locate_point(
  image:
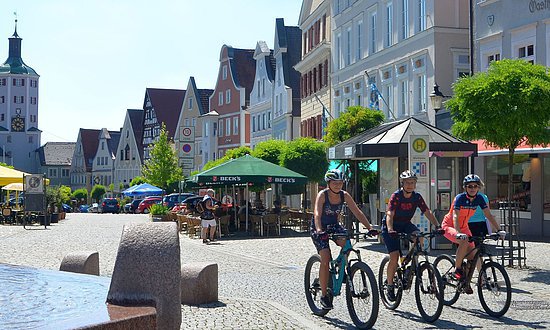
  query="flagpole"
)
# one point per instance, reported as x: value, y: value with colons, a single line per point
x: 381, y: 96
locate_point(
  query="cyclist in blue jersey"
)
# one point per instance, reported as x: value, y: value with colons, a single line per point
x: 328, y: 206
x: 401, y: 208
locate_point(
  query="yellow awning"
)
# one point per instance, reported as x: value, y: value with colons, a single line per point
x: 9, y: 175
x: 15, y: 186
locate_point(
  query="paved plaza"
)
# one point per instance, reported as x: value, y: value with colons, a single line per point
x: 261, y: 279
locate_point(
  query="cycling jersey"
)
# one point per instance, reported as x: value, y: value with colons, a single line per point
x: 466, y: 208
x: 404, y: 208
x: 331, y: 212
x: 479, y: 216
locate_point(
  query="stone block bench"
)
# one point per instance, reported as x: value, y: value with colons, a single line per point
x: 199, y: 283
x: 84, y: 262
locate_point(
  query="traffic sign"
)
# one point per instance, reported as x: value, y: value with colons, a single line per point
x: 187, y: 134
x: 187, y: 163
x: 186, y: 150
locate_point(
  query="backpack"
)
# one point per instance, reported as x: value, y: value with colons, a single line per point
x: 200, y: 207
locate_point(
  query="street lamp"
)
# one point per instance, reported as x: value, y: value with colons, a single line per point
x: 436, y: 97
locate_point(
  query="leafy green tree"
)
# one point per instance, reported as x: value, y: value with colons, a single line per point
x: 80, y: 194
x: 111, y: 187
x: 162, y: 169
x: 230, y: 154
x: 137, y: 180
x: 353, y: 121
x: 307, y: 157
x: 65, y: 194
x: 53, y: 198
x: 270, y: 151
x: 505, y: 106
x: 97, y: 192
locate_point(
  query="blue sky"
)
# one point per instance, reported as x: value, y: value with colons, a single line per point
x: 95, y: 58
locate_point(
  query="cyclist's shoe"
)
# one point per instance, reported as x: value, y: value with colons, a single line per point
x: 390, y: 292
x: 468, y: 289
x: 326, y: 302
x: 458, y: 274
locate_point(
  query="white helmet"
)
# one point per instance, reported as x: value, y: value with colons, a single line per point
x: 407, y: 174
x: 334, y: 175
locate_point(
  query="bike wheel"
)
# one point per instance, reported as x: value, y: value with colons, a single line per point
x: 312, y: 285
x: 445, y: 264
x: 428, y: 292
x: 494, y: 289
x: 362, y: 296
x: 383, y: 284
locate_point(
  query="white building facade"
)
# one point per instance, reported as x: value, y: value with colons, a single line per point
x: 260, y: 108
x: 19, y: 133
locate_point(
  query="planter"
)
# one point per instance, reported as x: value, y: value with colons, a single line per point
x: 44, y: 218
x: 160, y: 218
x: 54, y: 217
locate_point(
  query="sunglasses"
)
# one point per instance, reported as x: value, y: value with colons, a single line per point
x: 472, y: 186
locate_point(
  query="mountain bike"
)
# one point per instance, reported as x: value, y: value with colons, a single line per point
x: 493, y: 283
x: 361, y: 290
x: 428, y: 286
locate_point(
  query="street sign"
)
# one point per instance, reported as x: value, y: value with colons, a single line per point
x: 187, y: 163
x: 186, y: 150
x: 187, y: 134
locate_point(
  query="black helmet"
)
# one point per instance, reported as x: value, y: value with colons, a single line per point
x: 472, y: 178
x: 408, y: 174
x: 334, y: 175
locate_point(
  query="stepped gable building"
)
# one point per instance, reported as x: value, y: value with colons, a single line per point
x: 83, y: 158
x: 315, y: 67
x: 129, y: 152
x: 286, y: 91
x: 19, y: 133
x: 191, y: 129
x: 231, y: 98
x: 161, y: 106
x: 261, y: 108
x: 54, y: 159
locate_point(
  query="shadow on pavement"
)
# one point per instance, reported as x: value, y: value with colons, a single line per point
x: 539, y: 276
x: 504, y: 320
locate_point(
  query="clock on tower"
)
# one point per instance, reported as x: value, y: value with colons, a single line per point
x: 17, y: 124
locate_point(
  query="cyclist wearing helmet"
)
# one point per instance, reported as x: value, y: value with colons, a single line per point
x: 455, y: 223
x: 401, y: 208
x: 328, y: 206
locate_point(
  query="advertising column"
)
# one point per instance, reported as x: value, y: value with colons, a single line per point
x: 419, y: 163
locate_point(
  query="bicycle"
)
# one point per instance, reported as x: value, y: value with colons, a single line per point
x: 428, y: 285
x: 493, y: 283
x: 361, y: 289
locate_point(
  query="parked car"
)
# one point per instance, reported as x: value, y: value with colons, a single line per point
x: 173, y: 199
x: 83, y: 208
x: 66, y: 208
x: 110, y: 205
x: 145, y: 204
x: 21, y: 201
x: 192, y: 201
x: 132, y: 206
x: 94, y: 208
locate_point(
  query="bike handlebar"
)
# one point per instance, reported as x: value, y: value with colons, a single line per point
x: 418, y: 234
x: 370, y: 233
x: 493, y: 236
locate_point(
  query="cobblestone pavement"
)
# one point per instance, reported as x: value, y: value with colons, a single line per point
x: 261, y: 279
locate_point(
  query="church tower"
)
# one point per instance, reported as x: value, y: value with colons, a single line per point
x: 19, y: 133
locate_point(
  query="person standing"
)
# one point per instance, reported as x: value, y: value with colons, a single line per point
x: 208, y: 220
x: 401, y: 208
x: 328, y: 206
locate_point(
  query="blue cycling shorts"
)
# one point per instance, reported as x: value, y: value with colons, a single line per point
x: 392, y: 244
x: 321, y: 242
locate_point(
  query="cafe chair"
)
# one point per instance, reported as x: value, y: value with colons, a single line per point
x: 271, y: 223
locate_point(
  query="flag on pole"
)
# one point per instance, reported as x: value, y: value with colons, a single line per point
x: 374, y: 97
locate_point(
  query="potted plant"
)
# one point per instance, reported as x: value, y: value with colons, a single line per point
x: 159, y: 212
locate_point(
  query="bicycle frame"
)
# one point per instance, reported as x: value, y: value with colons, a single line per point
x: 480, y: 252
x: 343, y: 264
x: 411, y: 257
